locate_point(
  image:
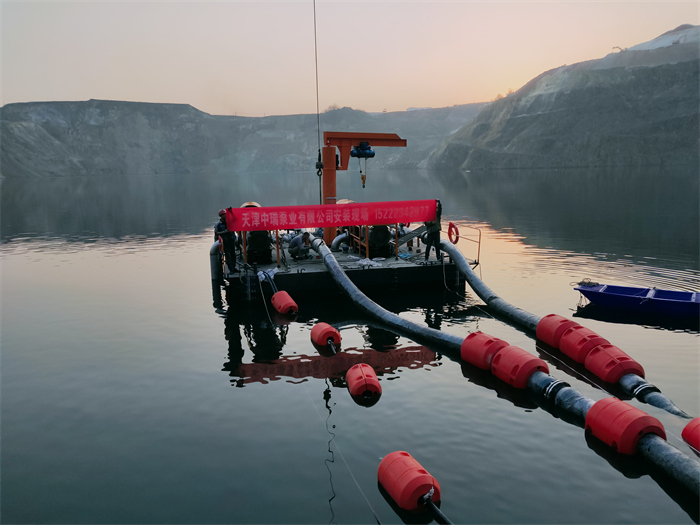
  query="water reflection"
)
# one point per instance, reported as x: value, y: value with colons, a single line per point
x: 266, y: 341
x: 142, y: 320
x: 380, y: 339
x: 484, y: 378
x: 646, y: 212
x: 634, y: 467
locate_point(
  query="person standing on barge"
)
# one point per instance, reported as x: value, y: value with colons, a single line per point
x: 433, y: 235
x: 229, y: 240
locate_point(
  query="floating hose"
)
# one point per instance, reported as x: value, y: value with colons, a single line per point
x: 645, y: 392
x: 434, y: 510
x: 425, y: 335
x: 521, y: 317
x: 217, y: 275
x: 335, y: 245
x: 562, y: 400
x: 555, y: 396
x: 632, y: 383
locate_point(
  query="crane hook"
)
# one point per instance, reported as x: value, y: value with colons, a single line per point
x: 319, y: 165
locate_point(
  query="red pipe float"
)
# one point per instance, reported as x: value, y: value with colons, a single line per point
x: 362, y: 380
x: 577, y: 341
x: 515, y: 366
x: 508, y: 363
x: 322, y: 333
x: 406, y: 481
x: 620, y: 425
x: 630, y: 383
x: 283, y: 303
x: 691, y: 434
x: 609, y: 363
x: 606, y: 361
x: 479, y: 348
x: 551, y: 327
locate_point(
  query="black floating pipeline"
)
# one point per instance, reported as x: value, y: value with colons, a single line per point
x: 621, y: 426
x: 584, y: 346
x: 422, y: 334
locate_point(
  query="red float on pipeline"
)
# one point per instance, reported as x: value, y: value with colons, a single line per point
x: 406, y: 481
x: 515, y: 366
x: 620, y: 425
x: 479, y: 349
x: 551, y: 327
x: 609, y: 363
x: 577, y: 341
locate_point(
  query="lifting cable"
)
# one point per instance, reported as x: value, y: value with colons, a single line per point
x: 319, y: 163
x: 363, y: 176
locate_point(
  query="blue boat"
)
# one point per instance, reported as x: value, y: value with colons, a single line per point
x: 642, y: 300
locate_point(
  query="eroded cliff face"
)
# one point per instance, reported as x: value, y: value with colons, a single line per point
x: 633, y: 108
x: 638, y: 107
x: 100, y: 137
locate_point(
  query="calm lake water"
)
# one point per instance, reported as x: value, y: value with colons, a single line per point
x: 122, y: 395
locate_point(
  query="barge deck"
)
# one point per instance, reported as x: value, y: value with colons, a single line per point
x: 409, y: 272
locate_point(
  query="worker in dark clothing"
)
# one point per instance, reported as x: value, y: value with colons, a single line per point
x: 299, y: 247
x: 220, y: 226
x: 433, y: 235
x: 229, y: 240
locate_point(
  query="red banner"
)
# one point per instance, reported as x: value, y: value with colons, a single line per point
x: 329, y: 215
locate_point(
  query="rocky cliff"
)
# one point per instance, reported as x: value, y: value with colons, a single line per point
x: 100, y: 137
x: 636, y: 107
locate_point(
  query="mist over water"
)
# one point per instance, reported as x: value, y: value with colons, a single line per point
x: 127, y: 399
x: 645, y: 213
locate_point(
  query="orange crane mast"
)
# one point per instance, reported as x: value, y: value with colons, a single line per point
x: 345, y: 142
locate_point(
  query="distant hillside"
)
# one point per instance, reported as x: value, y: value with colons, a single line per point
x: 635, y: 107
x: 99, y: 137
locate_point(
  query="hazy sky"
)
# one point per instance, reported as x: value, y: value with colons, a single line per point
x: 256, y: 58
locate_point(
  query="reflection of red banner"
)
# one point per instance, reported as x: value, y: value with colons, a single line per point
x: 335, y: 366
x: 328, y: 215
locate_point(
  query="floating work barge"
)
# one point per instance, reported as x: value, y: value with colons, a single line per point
x: 408, y: 272
x: 371, y: 241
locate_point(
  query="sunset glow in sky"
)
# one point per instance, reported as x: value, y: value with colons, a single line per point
x: 256, y: 58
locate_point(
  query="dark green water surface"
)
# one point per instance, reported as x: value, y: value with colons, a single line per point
x: 127, y: 399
